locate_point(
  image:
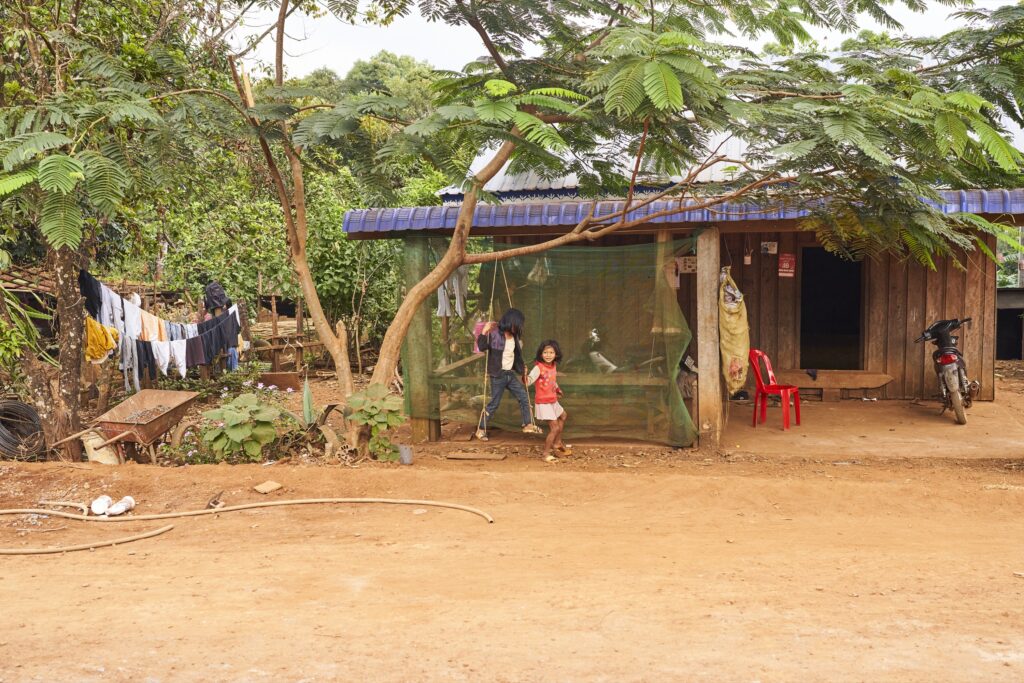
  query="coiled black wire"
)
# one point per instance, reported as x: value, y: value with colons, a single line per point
x: 21, y: 433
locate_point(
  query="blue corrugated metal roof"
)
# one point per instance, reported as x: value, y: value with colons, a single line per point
x: 570, y: 213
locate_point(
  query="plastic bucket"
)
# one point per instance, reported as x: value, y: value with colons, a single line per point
x: 405, y: 455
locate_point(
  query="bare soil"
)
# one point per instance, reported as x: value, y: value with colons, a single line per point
x: 894, y: 561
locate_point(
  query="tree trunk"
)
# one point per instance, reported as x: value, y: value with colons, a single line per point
x: 71, y: 316
x: 391, y: 347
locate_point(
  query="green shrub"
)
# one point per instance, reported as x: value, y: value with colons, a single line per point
x: 381, y: 410
x: 243, y: 427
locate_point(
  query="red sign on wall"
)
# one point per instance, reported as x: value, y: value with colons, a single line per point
x: 787, y: 265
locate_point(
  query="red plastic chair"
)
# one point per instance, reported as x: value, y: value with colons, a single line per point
x: 783, y: 391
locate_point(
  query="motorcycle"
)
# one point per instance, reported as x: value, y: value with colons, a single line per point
x: 958, y: 393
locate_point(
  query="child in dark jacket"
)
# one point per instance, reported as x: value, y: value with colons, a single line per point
x: 503, y: 343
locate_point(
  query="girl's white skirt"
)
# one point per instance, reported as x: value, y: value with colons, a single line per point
x: 548, y: 411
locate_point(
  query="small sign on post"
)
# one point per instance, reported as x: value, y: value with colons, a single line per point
x: 787, y: 265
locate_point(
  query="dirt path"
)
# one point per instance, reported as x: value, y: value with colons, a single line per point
x: 843, y: 551
x: 743, y: 571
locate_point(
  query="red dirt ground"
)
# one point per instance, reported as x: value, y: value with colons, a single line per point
x: 828, y: 557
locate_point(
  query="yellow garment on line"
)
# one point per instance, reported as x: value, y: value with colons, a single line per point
x: 100, y: 340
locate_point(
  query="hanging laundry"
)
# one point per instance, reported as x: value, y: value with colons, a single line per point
x: 191, y: 330
x: 128, y: 351
x: 132, y: 319
x: 89, y: 287
x: 179, y: 355
x: 112, y: 309
x: 456, y: 285
x: 161, y: 355
x: 100, y: 341
x: 146, y: 359
x: 152, y: 328
x: 194, y: 355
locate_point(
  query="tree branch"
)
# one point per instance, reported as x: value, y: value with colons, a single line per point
x: 492, y: 49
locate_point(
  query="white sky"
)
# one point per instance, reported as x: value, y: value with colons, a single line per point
x: 326, y: 41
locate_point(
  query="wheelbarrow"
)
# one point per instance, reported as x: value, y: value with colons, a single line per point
x: 141, y: 419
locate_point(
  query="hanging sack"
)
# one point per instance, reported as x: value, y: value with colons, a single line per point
x: 733, y: 332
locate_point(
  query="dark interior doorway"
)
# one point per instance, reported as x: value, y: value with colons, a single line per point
x: 1009, y: 333
x: 830, y: 313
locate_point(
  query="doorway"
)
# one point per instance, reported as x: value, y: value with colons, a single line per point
x: 830, y: 312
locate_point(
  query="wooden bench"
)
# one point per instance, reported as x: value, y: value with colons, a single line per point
x: 833, y: 382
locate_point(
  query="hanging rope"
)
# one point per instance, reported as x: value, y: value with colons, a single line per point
x: 487, y: 355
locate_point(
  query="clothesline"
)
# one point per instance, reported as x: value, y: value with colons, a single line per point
x: 149, y: 343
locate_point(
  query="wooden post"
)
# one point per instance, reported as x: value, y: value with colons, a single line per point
x: 709, y: 384
x: 275, y: 355
x: 298, y: 334
x: 421, y: 399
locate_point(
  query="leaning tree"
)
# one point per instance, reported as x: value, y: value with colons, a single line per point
x: 616, y: 91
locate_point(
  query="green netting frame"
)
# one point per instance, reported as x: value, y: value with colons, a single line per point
x: 622, y: 291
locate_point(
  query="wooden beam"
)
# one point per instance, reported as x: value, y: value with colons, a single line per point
x: 709, y: 384
x: 421, y: 399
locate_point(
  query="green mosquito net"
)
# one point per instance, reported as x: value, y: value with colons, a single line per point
x: 613, y: 311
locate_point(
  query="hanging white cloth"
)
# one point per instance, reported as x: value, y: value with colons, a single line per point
x: 456, y: 285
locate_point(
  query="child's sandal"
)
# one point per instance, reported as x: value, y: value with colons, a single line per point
x: 532, y: 429
x: 550, y: 458
x: 481, y: 435
x: 564, y: 449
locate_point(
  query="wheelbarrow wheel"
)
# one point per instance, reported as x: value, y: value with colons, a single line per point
x: 178, y: 433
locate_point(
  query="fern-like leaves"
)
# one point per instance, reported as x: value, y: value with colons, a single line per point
x: 61, y: 220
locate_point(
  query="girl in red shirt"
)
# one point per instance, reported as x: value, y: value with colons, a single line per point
x: 545, y: 376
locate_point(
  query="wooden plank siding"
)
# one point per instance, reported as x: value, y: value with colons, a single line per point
x: 899, y: 299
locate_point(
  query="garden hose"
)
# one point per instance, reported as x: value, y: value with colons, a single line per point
x: 21, y: 433
x: 85, y: 546
x: 208, y: 511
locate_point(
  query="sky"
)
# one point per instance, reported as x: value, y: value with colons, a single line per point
x: 327, y: 42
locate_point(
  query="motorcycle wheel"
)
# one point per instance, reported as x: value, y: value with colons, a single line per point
x: 957, y: 403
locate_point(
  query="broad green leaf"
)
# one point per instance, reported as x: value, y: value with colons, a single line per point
x: 264, y: 433
x: 252, y: 448
x: 308, y: 411
x: 239, y: 432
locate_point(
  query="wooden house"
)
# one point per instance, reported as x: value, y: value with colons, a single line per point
x: 853, y: 322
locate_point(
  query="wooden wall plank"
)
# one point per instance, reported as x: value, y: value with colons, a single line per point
x: 788, y: 303
x: 916, y: 304
x: 709, y: 387
x: 768, y: 296
x: 935, y: 304
x: 749, y: 287
x: 988, y: 346
x: 876, y: 332
x: 972, y: 338
x: 896, y: 328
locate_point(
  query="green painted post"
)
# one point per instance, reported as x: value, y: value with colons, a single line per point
x: 421, y: 398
